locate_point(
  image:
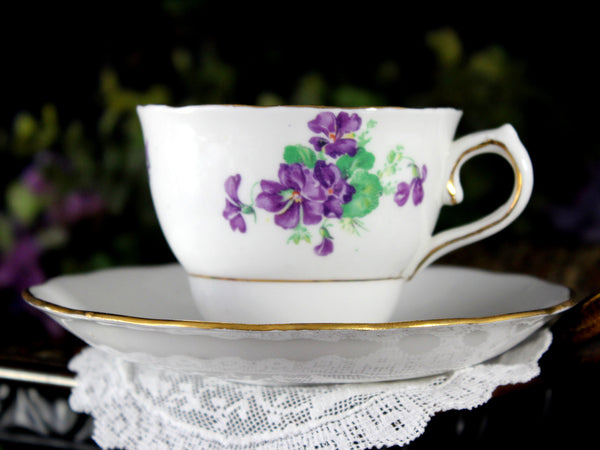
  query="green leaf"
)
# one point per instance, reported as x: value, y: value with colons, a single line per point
x: 352, y: 225
x: 53, y: 237
x: 363, y: 139
x: 348, y: 165
x: 391, y: 157
x: 415, y: 171
x: 300, y: 154
x: 23, y: 203
x: 6, y: 234
x: 300, y: 234
x: 447, y: 46
x: 389, y: 189
x: 366, y: 198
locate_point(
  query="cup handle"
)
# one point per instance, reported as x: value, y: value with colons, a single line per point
x: 502, y: 141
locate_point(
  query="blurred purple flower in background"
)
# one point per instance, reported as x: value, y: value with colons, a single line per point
x: 38, y: 207
x: 74, y: 207
x: 43, y: 204
x: 20, y: 267
x: 33, y: 178
x: 582, y: 218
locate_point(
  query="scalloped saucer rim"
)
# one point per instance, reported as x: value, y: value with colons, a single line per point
x: 146, y: 315
x: 185, y: 314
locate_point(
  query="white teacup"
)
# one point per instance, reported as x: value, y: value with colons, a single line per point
x: 305, y: 214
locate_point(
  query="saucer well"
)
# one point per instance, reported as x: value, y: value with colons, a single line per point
x: 147, y: 315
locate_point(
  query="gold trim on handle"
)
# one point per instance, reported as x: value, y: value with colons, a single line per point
x: 49, y: 307
x: 450, y: 185
x: 452, y: 191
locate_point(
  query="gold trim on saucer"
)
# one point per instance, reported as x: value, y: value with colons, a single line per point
x: 277, y: 280
x: 49, y: 307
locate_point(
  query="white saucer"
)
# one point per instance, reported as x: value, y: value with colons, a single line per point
x: 147, y: 315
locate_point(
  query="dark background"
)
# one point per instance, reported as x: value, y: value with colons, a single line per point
x: 73, y: 187
x: 54, y: 53
x: 71, y: 75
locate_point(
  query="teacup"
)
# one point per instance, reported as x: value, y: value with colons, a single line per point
x: 310, y: 214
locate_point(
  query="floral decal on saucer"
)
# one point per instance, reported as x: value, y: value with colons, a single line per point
x: 327, y: 181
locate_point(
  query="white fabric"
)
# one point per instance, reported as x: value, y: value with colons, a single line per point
x: 141, y: 407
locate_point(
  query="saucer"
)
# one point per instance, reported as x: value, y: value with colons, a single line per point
x: 146, y: 315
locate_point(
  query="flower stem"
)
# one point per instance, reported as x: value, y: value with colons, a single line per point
x: 252, y: 193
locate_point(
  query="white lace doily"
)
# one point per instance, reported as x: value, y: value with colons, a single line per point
x: 136, y: 406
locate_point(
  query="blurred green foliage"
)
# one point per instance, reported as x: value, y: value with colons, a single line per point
x: 79, y: 190
x: 488, y: 84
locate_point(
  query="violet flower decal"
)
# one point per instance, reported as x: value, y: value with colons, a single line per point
x: 234, y: 208
x: 297, y: 196
x: 415, y: 186
x: 338, y: 131
x: 338, y: 191
x: 326, y: 245
x: 329, y: 185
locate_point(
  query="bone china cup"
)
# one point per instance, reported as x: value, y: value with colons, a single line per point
x: 305, y: 214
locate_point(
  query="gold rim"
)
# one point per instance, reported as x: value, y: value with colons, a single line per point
x: 49, y: 307
x: 342, y: 108
x: 283, y: 280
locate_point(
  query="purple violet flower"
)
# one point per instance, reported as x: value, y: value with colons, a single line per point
x: 297, y: 196
x: 403, y: 193
x: 581, y: 219
x: 338, y: 130
x: 76, y: 206
x: 20, y: 268
x: 418, y: 192
x: 339, y: 192
x: 33, y: 178
x: 415, y: 186
x: 326, y: 245
x: 233, y: 205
